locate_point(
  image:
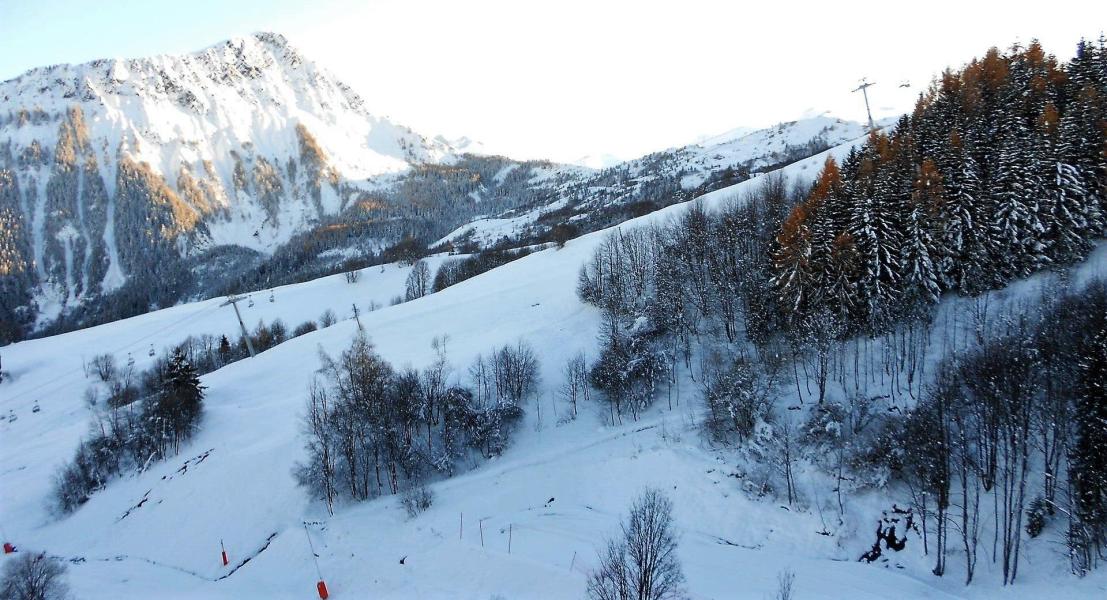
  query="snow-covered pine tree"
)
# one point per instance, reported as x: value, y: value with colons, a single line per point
x: 1016, y: 189
x: 834, y: 255
x: 177, y: 406
x: 965, y: 260
x: 875, y: 197
x: 920, y: 246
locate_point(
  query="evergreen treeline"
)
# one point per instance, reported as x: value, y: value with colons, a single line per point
x: 1000, y: 171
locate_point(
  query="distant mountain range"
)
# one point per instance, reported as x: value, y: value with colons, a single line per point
x: 126, y: 185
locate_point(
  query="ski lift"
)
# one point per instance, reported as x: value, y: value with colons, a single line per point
x: 152, y: 351
x: 11, y: 417
x: 271, y: 295
x: 251, y: 304
x: 36, y: 407
x: 905, y: 84
x: 130, y: 360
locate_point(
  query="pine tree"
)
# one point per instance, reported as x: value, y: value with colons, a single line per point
x: 964, y: 263
x: 802, y: 247
x: 176, y: 407
x: 875, y: 196
x: 792, y: 260
x: 224, y: 350
x: 920, y: 275
x: 1016, y: 189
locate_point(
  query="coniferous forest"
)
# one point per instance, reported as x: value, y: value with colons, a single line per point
x: 871, y: 295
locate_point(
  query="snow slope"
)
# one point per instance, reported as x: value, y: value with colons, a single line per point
x: 556, y: 493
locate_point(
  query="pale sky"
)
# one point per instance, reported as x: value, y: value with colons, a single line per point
x: 570, y: 78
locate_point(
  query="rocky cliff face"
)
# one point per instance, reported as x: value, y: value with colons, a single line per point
x: 112, y: 171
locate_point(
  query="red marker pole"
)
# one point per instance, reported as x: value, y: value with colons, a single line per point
x: 224, y: 551
x: 321, y: 586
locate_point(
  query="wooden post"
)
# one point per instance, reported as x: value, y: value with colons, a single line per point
x: 509, y: 538
x: 480, y: 525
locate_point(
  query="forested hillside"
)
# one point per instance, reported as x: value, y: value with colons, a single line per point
x: 833, y: 295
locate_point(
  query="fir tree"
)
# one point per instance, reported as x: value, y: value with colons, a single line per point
x: 175, y: 409
x: 920, y: 275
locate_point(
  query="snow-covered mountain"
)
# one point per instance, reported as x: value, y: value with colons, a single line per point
x: 596, y: 198
x: 108, y: 164
x: 527, y: 525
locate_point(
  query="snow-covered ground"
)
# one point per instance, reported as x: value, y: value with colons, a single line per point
x: 556, y: 493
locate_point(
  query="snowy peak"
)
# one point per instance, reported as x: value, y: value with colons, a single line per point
x: 244, y: 143
x: 234, y: 88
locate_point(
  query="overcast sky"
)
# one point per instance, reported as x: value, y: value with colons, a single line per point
x: 569, y: 78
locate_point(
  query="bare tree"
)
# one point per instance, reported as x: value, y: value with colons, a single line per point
x: 418, y: 281
x: 515, y: 371
x: 576, y: 386
x: 104, y: 365
x: 642, y: 565
x: 319, y: 442
x: 34, y: 576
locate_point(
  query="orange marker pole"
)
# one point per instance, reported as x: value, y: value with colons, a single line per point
x: 320, y: 586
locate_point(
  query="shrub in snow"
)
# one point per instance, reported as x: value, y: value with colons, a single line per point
x: 1036, y: 517
x: 304, y: 328
x: 737, y: 396
x: 785, y: 582
x: 629, y: 371
x: 416, y: 499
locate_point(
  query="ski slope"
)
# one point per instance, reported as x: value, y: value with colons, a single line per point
x: 556, y: 493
